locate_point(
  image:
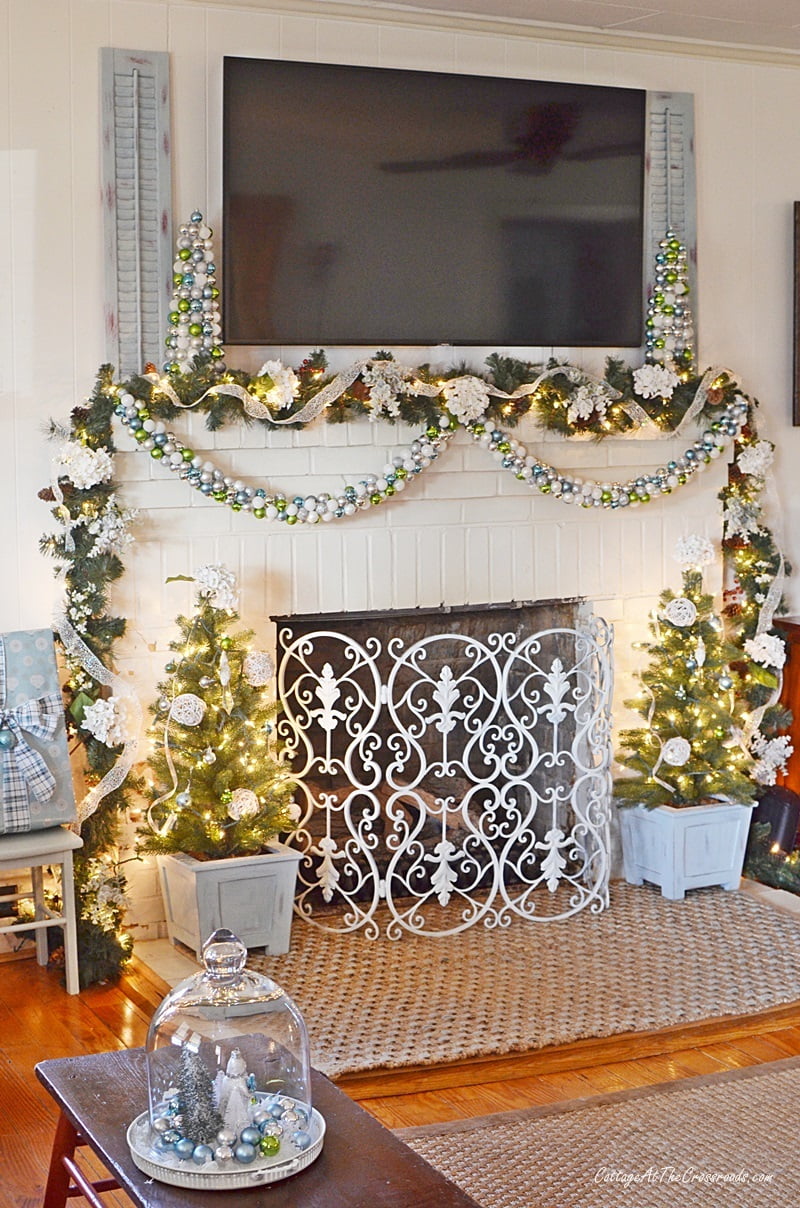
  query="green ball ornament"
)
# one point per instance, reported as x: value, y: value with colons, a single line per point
x: 268, y: 1146
x: 156, y: 454
x: 185, y: 253
x: 174, y: 316
x: 226, y: 796
x: 217, y: 352
x: 225, y: 643
x: 187, y: 454
x: 195, y: 329
x: 375, y: 498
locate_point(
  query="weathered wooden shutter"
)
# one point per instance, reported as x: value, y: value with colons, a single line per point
x: 670, y: 182
x: 137, y: 206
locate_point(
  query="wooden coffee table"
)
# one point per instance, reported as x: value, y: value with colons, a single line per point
x: 362, y: 1164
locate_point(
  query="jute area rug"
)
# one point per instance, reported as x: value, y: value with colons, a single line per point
x: 721, y: 1141
x: 642, y: 965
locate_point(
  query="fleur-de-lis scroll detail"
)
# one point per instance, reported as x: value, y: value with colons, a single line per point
x: 557, y: 687
x: 446, y: 695
x: 553, y: 864
x: 327, y: 692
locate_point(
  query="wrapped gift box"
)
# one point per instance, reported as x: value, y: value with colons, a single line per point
x: 36, y: 789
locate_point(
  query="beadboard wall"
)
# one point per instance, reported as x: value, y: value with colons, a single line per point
x: 465, y: 532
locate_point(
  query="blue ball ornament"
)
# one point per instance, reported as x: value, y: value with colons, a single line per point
x: 244, y: 1153
x: 8, y: 740
x: 202, y: 1154
x: 250, y: 1136
x: 185, y: 1148
x: 301, y: 1138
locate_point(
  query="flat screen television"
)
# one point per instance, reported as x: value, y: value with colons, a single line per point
x: 379, y: 207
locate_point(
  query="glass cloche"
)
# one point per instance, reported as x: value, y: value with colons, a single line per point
x: 228, y: 1080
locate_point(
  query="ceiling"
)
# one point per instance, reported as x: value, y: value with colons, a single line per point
x: 767, y: 24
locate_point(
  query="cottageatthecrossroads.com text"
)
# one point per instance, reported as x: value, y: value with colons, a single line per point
x: 674, y: 1174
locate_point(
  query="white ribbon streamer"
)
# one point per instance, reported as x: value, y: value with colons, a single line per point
x: 76, y: 648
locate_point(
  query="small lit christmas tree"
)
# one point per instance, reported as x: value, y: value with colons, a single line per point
x: 217, y: 791
x: 691, y: 748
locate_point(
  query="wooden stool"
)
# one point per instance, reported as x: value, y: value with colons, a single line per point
x: 35, y: 850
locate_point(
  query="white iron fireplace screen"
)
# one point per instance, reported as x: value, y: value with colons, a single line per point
x: 450, y: 780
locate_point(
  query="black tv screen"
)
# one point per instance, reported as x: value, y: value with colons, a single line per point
x: 380, y: 207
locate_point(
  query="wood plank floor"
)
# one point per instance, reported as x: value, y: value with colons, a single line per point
x: 39, y: 1020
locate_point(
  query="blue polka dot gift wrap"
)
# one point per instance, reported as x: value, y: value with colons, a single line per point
x: 36, y: 789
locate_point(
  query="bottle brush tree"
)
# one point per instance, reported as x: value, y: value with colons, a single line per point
x: 216, y: 788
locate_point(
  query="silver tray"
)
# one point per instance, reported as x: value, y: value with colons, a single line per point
x: 214, y: 1176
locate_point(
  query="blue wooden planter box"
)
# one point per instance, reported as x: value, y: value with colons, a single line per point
x: 687, y: 848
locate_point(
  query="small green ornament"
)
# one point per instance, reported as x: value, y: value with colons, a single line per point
x: 269, y: 1145
x: 184, y: 253
x: 156, y: 454
x: 225, y: 643
x: 375, y: 498
x: 226, y: 796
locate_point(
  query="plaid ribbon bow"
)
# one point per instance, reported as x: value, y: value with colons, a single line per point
x: 24, y: 771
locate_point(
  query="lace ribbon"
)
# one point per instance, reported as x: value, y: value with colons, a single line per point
x: 76, y: 648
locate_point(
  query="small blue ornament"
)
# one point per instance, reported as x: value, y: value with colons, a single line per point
x: 250, y: 1136
x: 185, y: 1148
x: 8, y: 740
x: 202, y: 1154
x: 244, y: 1153
x: 301, y: 1139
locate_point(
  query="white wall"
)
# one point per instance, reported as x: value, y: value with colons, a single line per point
x: 467, y: 533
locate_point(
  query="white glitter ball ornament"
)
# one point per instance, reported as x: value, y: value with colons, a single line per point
x: 257, y: 668
x: 680, y: 612
x: 676, y: 751
x: 243, y: 804
x: 188, y: 709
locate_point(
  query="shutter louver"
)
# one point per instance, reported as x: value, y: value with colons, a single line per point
x: 670, y: 190
x: 137, y: 206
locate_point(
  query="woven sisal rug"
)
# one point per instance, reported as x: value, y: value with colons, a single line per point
x: 722, y: 1141
x: 644, y: 964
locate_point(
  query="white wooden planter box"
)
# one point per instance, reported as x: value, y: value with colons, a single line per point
x: 688, y: 848
x: 251, y: 895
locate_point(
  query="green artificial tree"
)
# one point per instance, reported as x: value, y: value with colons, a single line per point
x: 691, y: 748
x: 216, y: 790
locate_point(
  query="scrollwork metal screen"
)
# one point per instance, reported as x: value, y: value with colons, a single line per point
x: 449, y: 781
